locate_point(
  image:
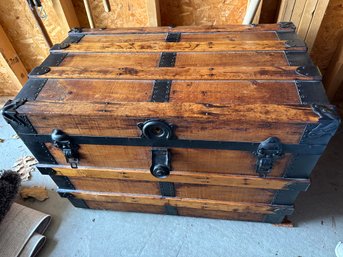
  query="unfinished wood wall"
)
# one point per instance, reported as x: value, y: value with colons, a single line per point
x: 202, y: 12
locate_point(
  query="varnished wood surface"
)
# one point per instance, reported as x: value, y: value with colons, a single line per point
x: 190, y: 29
x: 181, y: 73
x: 127, y: 207
x: 247, y: 113
x: 220, y: 92
x: 181, y: 211
x: 182, y: 190
x: 183, y: 59
x: 210, y: 46
x: 195, y: 177
x: 178, y: 202
x: 186, y: 128
x: 192, y: 160
x: 185, y: 37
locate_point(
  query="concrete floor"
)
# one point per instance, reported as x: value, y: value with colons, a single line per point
x: 80, y: 232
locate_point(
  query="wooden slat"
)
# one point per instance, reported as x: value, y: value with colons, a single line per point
x: 182, y: 177
x: 181, y: 73
x: 333, y: 78
x: 184, y: 59
x: 220, y: 92
x: 66, y: 13
x: 316, y: 23
x: 253, y: 112
x: 307, y: 17
x: 179, y: 202
x: 185, y: 37
x: 12, y: 63
x: 190, y: 29
x: 286, y: 10
x: 298, y: 12
x: 153, y: 8
x: 215, y: 46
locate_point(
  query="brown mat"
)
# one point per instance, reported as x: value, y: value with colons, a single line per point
x: 18, y: 226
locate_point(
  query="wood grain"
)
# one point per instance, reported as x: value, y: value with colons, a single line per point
x: 181, y: 211
x: 179, y: 202
x: 185, y: 37
x: 182, y: 190
x: 211, y: 46
x: 190, y: 160
x: 127, y: 207
x: 188, y: 177
x: 220, y: 92
x: 183, y: 73
x: 190, y: 29
x: 183, y: 59
x: 201, y: 12
x: 191, y: 111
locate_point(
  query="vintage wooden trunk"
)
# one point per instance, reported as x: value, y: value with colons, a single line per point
x: 221, y: 122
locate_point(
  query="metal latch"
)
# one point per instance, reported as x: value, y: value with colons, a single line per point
x: 160, y: 167
x: 62, y: 141
x: 267, y: 153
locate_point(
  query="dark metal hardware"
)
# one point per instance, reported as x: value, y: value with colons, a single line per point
x: 167, y: 59
x: 9, y: 111
x: 160, y: 167
x: 75, y: 30
x: 311, y: 92
x: 303, y: 149
x: 173, y: 37
x: 295, y: 43
x: 61, y: 46
x: 328, y: 121
x: 161, y: 90
x: 286, y: 25
x: 156, y: 129
x: 78, y: 203
x: 309, y: 70
x: 40, y: 70
x: 63, y: 142
x: 267, y: 153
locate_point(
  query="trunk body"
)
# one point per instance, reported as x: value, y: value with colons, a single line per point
x: 218, y: 122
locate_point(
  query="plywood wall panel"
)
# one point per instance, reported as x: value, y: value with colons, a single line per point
x: 124, y: 13
x: 202, y: 12
x: 329, y: 34
x: 6, y: 82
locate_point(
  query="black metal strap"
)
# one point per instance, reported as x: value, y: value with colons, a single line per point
x: 161, y: 88
x: 168, y: 189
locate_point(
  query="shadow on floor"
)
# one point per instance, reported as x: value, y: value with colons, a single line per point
x: 325, y: 196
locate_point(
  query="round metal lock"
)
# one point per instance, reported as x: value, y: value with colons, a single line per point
x: 160, y: 171
x: 156, y: 129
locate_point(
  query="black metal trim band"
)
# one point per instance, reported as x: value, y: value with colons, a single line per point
x: 161, y: 91
x: 311, y: 92
x: 79, y: 203
x: 298, y: 58
x: 161, y: 88
x: 54, y: 59
x: 167, y: 189
x: 301, y: 166
x: 173, y: 37
x: 62, y: 182
x: 302, y: 149
x: 31, y: 89
x: 283, y: 197
x: 279, y: 215
x: 167, y: 59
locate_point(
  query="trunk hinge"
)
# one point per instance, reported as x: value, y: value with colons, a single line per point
x: 267, y: 153
x: 63, y: 142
